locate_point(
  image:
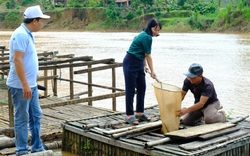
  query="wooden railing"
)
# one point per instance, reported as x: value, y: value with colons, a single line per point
x: 51, y: 62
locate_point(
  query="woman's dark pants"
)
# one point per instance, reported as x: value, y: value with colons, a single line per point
x: 133, y: 69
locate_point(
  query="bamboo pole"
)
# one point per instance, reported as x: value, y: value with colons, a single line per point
x: 156, y: 142
x: 42, y: 153
x: 6, y: 142
x: 136, y: 130
x: 109, y: 132
x: 239, y: 119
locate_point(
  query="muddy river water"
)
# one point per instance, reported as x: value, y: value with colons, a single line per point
x: 224, y: 57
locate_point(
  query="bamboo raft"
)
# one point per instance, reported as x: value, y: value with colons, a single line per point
x: 110, y: 135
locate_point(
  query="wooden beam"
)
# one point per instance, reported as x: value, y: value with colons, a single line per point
x: 58, y: 66
x: 41, y: 78
x: 82, y: 100
x: 45, y: 53
x: 4, y: 58
x: 98, y: 68
x: 95, y: 85
x: 82, y: 58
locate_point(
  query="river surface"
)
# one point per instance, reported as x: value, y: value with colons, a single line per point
x: 224, y: 57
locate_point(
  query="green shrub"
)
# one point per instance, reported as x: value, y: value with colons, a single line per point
x: 130, y: 16
x: 25, y: 2
x: 1, y: 16
x: 246, y: 13
x: 52, y: 6
x: 205, y: 8
x: 8, y: 5
x: 13, y: 19
x: 139, y: 11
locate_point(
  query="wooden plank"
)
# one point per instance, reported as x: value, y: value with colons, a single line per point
x: 219, y: 133
x: 195, y: 145
x: 193, y: 132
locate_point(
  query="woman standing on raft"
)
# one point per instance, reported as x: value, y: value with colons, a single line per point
x: 135, y: 63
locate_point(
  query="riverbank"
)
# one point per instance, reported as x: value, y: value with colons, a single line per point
x: 95, y: 19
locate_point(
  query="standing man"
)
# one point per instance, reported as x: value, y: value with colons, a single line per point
x: 22, y: 79
x: 206, y: 103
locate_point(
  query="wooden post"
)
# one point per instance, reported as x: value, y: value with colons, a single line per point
x: 2, y: 49
x: 11, y: 113
x: 45, y: 83
x: 55, y: 82
x: 90, y: 86
x: 113, y: 90
x: 71, y: 74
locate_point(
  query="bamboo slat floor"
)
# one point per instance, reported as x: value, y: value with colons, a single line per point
x: 110, y: 135
x: 54, y: 116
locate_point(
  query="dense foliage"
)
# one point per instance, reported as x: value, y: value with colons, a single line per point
x: 197, y: 14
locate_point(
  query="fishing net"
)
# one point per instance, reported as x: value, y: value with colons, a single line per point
x: 169, y: 99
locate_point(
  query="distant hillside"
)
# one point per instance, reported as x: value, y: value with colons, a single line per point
x: 95, y: 19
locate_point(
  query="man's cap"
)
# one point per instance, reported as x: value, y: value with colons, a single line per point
x: 194, y: 70
x: 34, y: 12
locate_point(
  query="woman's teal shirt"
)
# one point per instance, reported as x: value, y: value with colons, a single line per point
x: 141, y: 45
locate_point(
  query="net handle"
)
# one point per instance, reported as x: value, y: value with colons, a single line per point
x: 153, y: 78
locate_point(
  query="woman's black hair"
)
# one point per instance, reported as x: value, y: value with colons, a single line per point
x: 152, y: 23
x: 29, y: 20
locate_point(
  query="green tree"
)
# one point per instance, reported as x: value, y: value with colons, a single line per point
x: 92, y: 3
x: 45, y: 3
x: 24, y: 2
x: 181, y: 2
x: 7, y: 5
x: 11, y: 4
x: 148, y: 2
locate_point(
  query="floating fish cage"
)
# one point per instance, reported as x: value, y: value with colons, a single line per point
x: 109, y: 135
